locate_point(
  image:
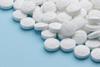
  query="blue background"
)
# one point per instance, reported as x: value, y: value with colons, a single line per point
x: 20, y: 48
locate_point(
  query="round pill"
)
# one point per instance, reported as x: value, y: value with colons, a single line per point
x: 80, y: 37
x: 81, y: 51
x: 27, y: 23
x: 41, y: 26
x: 73, y: 9
x: 67, y: 45
x: 17, y: 4
x: 48, y: 6
x: 55, y: 27
x: 95, y: 54
x: 18, y: 15
x: 92, y: 44
x: 51, y: 44
x: 28, y: 7
x: 49, y: 17
x: 61, y: 4
x: 86, y: 4
x: 47, y: 34
x: 94, y: 34
x: 6, y: 4
x: 37, y: 14
x: 63, y: 17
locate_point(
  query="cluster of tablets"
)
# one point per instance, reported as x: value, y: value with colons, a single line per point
x: 71, y: 25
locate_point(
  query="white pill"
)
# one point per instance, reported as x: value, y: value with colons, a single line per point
x: 28, y: 7
x: 85, y: 4
x: 91, y: 28
x: 80, y: 37
x: 49, y: 17
x: 37, y: 14
x: 67, y: 44
x: 55, y: 27
x: 94, y: 34
x: 51, y: 44
x: 67, y: 29
x: 83, y: 13
x: 95, y: 54
x: 17, y: 4
x: 63, y: 17
x: 41, y: 26
x: 48, y: 6
x: 27, y: 23
x: 6, y: 4
x: 96, y: 3
x: 47, y: 34
x: 18, y: 15
x: 92, y: 44
x: 73, y: 9
x: 81, y: 51
x: 93, y: 17
x: 62, y: 4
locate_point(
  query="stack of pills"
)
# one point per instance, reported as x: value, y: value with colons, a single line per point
x: 69, y: 25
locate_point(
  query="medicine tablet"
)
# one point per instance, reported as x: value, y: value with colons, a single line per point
x: 73, y: 9
x: 28, y: 7
x: 63, y: 17
x: 51, y: 44
x: 81, y: 51
x: 96, y: 3
x: 6, y: 4
x: 48, y: 6
x: 92, y: 44
x: 27, y: 23
x: 80, y: 37
x: 18, y: 15
x: 37, y: 14
x: 94, y: 34
x: 49, y: 17
x: 95, y: 54
x: 17, y: 4
x: 47, y: 34
x: 67, y: 45
x: 41, y: 26
x: 55, y: 27
x: 62, y: 4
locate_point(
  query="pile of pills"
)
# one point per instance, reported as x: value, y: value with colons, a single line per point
x: 67, y: 25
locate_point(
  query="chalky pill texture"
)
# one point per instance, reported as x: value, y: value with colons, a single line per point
x: 67, y: 25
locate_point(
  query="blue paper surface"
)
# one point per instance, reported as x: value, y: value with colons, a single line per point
x: 21, y: 48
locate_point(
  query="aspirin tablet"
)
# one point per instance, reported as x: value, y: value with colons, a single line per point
x: 47, y: 34
x: 96, y: 3
x: 55, y: 27
x: 27, y: 23
x: 6, y: 4
x: 80, y: 37
x: 85, y: 4
x: 92, y: 44
x: 94, y: 34
x: 63, y: 17
x: 48, y: 6
x: 51, y: 44
x: 41, y: 26
x: 67, y: 44
x: 17, y: 4
x: 95, y: 54
x: 37, y: 14
x: 73, y: 9
x: 49, y: 17
x: 28, y: 7
x: 67, y: 29
x: 18, y: 15
x: 61, y: 4
x: 81, y: 51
